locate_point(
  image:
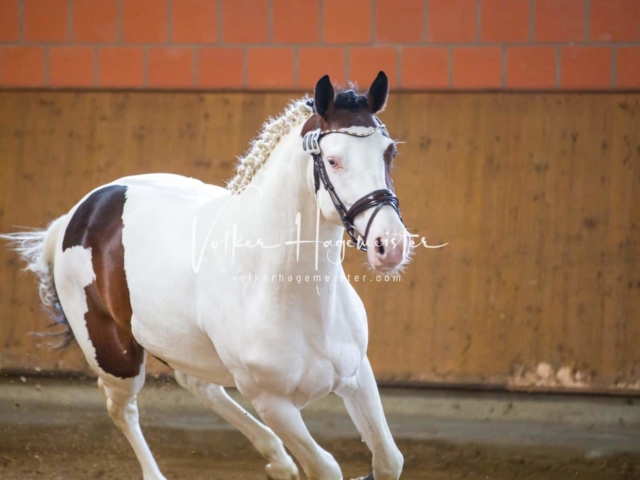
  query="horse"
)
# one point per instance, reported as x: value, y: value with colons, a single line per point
x: 152, y: 264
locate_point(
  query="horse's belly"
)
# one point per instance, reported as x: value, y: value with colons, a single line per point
x: 182, y: 344
x: 188, y: 351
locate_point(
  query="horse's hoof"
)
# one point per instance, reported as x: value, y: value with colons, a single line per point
x: 282, y: 471
x: 368, y: 477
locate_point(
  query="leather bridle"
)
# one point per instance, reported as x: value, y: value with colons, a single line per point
x: 376, y: 199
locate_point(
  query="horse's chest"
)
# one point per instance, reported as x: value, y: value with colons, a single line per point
x: 301, y: 364
x: 335, y: 363
x: 323, y: 373
x: 334, y: 355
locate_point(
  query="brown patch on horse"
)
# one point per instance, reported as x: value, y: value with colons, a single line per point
x: 97, y: 224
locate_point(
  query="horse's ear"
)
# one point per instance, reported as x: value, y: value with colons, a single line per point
x: 378, y: 93
x: 323, y: 97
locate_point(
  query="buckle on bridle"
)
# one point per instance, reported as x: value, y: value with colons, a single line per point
x: 311, y: 142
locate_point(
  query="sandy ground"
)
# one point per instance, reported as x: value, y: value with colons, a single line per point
x: 60, y: 430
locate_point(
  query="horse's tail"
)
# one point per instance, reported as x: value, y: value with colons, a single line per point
x: 38, y: 248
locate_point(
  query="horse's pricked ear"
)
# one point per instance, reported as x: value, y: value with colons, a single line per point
x: 323, y: 97
x: 378, y: 93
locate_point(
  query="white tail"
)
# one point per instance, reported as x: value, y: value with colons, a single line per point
x: 37, y: 248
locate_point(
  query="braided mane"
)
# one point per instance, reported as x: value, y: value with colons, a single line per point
x: 272, y: 132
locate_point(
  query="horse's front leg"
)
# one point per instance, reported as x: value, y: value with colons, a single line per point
x: 285, y: 420
x: 363, y: 403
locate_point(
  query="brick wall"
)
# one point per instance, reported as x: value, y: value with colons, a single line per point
x: 288, y: 44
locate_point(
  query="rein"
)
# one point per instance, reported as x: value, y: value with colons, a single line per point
x: 376, y: 199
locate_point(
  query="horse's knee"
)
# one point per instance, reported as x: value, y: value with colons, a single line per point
x: 269, y: 446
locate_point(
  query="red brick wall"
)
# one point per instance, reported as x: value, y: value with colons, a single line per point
x: 288, y: 44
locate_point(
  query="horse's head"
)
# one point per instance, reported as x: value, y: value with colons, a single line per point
x: 353, y: 155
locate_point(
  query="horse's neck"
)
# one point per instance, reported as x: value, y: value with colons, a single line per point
x: 283, y: 190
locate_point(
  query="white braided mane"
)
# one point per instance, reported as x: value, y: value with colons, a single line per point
x: 272, y: 131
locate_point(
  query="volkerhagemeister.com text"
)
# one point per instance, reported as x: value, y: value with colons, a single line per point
x: 299, y: 279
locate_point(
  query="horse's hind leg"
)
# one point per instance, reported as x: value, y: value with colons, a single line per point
x: 281, y: 466
x: 123, y: 409
x: 92, y: 286
x: 112, y: 353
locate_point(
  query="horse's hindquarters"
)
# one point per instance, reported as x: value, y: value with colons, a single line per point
x: 91, y: 283
x: 122, y: 273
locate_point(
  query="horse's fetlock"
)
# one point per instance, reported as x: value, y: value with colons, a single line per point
x: 389, y: 466
x: 332, y: 468
x: 283, y: 469
x: 270, y: 447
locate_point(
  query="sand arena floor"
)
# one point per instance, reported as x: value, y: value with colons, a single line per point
x: 59, y: 429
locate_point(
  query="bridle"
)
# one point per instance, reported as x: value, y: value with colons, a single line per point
x: 376, y: 199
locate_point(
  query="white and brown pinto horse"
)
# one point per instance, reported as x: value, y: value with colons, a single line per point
x: 151, y: 263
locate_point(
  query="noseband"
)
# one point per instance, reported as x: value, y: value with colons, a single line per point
x: 376, y: 199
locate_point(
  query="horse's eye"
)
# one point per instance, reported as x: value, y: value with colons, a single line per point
x: 332, y: 162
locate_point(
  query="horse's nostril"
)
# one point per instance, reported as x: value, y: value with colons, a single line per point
x: 380, y: 246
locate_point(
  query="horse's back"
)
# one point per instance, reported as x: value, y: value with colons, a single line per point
x: 171, y: 184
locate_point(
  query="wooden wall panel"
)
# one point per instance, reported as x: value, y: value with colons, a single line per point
x: 537, y: 195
